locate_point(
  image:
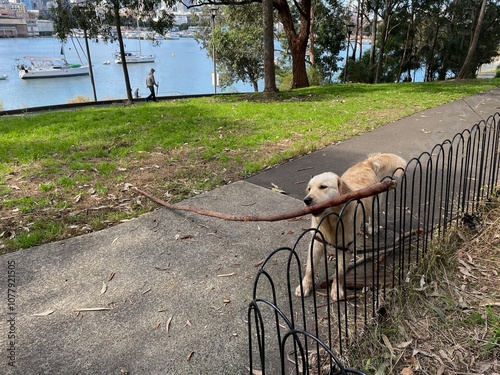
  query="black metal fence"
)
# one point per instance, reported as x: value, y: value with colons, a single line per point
x: 438, y: 190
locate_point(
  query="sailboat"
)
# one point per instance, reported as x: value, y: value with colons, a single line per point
x: 132, y: 57
x: 49, y: 67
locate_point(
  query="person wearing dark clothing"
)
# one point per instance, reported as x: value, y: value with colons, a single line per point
x: 151, y: 83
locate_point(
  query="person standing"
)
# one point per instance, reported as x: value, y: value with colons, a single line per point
x: 151, y: 83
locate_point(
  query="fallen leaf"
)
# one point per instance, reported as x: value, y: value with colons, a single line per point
x: 226, y: 301
x: 110, y: 276
x: 92, y: 309
x: 404, y: 345
x: 127, y: 186
x: 183, y: 236
x: 188, y: 323
x: 422, y: 281
x: 259, y: 263
x: 407, y: 371
x: 147, y: 290
x: 226, y: 274
x: 466, y: 272
x: 254, y: 371
x: 276, y: 190
x: 104, y: 288
x: 387, y: 343
x: 167, y: 328
x: 188, y: 358
x: 163, y: 269
x: 45, y: 313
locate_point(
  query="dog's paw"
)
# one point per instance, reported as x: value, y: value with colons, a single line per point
x: 298, y: 291
x: 371, y: 229
x: 334, y: 296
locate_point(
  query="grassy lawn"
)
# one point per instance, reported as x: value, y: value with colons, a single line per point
x: 67, y: 173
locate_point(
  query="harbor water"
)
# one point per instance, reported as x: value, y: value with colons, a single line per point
x: 182, y: 68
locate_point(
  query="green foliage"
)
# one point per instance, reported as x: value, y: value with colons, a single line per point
x: 238, y: 41
x: 330, y: 36
x: 100, y: 19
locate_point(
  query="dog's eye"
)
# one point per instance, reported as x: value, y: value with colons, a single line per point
x: 323, y: 187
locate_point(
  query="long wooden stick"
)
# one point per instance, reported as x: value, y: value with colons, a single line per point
x: 358, y: 194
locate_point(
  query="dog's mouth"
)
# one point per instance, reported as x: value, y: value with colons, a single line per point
x: 309, y: 201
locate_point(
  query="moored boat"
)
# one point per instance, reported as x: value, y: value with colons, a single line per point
x: 49, y: 67
x: 132, y: 57
x: 3, y: 76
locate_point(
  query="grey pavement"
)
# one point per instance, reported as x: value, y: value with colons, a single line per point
x: 175, y: 286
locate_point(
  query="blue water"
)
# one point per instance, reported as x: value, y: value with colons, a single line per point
x: 182, y: 68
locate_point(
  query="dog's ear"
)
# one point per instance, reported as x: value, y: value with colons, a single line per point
x: 343, y: 188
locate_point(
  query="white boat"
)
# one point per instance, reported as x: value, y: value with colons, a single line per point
x: 134, y: 57
x: 49, y: 67
x: 3, y: 76
x: 172, y: 36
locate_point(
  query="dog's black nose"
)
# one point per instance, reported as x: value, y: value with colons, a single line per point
x: 308, y: 201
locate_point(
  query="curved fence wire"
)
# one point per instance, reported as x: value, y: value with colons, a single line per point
x: 438, y: 190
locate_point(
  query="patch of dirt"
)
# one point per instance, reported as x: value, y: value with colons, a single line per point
x: 68, y: 203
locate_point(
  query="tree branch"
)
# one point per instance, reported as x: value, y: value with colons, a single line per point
x: 358, y: 194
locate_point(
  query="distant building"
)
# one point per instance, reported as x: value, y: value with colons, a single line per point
x: 13, y: 27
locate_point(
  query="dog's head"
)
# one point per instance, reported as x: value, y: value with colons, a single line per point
x: 323, y: 187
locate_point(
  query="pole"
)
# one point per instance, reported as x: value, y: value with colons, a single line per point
x: 214, y: 11
x: 347, y: 56
x: 90, y: 63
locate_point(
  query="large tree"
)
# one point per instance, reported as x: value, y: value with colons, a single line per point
x: 474, y: 43
x: 295, y: 18
x: 104, y: 18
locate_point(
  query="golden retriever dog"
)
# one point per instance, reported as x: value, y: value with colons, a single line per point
x: 328, y: 185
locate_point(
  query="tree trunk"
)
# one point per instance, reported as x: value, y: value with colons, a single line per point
x: 269, y: 68
x: 383, y: 40
x: 312, y: 57
x: 299, y: 70
x: 473, y: 46
x: 122, y: 52
x: 296, y: 40
x: 373, y: 42
x: 405, y: 48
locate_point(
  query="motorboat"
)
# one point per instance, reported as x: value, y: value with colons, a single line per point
x: 3, y: 76
x: 49, y: 67
x: 171, y: 35
x: 132, y: 57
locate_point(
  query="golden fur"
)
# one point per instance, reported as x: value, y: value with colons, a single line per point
x: 329, y: 185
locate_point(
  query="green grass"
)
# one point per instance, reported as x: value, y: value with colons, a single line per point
x: 184, y: 146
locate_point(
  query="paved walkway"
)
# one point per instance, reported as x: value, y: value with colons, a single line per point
x: 171, y: 289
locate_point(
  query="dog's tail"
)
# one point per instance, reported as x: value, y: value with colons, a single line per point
x: 387, y: 165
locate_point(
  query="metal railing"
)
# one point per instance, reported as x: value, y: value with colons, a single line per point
x: 438, y: 190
